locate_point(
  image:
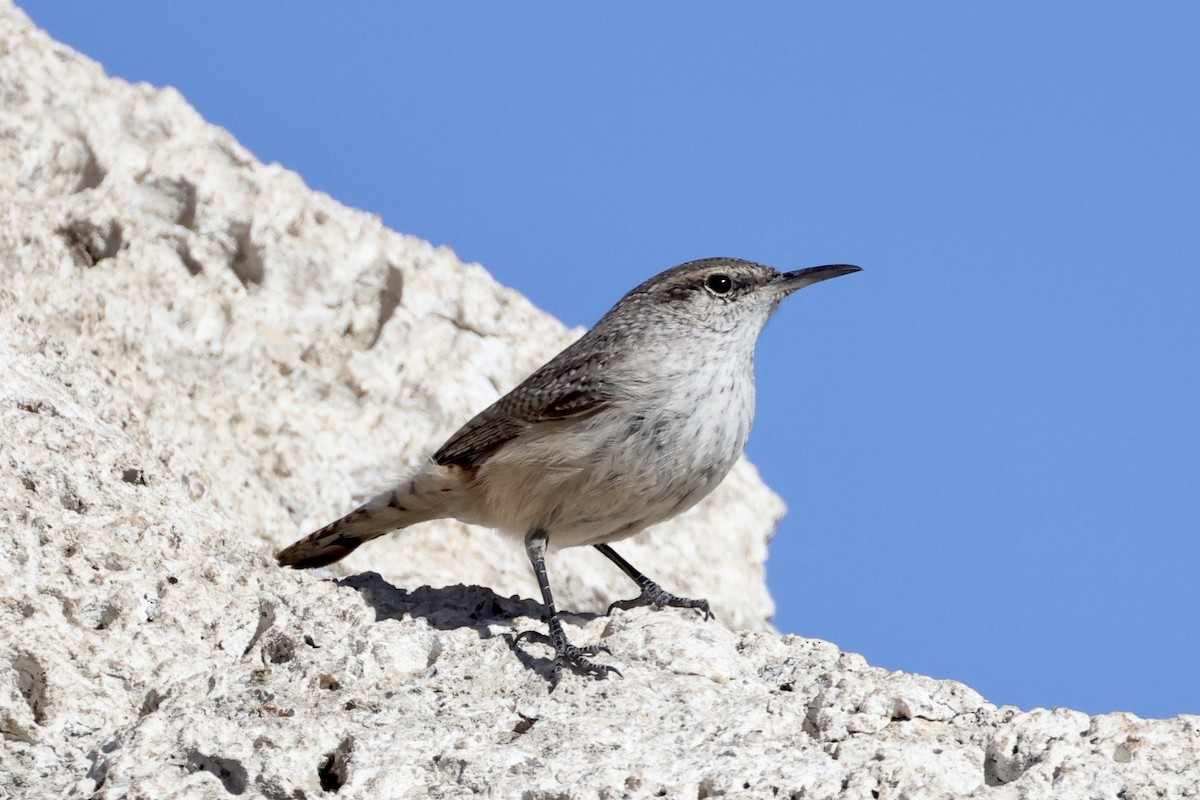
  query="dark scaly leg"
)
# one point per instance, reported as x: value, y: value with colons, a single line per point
x: 652, y: 593
x: 564, y: 651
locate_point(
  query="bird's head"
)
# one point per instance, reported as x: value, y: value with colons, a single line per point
x: 723, y: 295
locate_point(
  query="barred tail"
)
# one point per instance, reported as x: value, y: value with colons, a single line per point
x: 429, y: 495
x: 336, y: 540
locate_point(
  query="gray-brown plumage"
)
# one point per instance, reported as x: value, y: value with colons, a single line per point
x: 570, y: 385
x: 632, y: 424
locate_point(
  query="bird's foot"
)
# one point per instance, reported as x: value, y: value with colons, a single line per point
x: 654, y: 595
x: 568, y: 654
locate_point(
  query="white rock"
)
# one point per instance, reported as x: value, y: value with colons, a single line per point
x: 200, y: 359
x: 285, y: 356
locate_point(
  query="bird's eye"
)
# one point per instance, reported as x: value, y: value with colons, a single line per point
x: 718, y: 283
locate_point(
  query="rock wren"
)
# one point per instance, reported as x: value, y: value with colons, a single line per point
x: 632, y: 424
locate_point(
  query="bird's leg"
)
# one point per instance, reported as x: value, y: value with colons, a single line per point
x: 652, y: 593
x: 564, y: 651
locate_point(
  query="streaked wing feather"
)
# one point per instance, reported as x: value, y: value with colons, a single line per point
x: 562, y: 389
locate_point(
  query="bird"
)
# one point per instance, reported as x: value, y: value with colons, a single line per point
x: 632, y: 424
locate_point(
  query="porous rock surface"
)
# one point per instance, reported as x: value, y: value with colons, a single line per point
x: 201, y: 359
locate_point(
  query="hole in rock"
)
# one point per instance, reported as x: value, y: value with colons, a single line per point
x: 227, y: 770
x: 266, y: 618
x: 247, y: 261
x: 133, y: 475
x: 92, y: 242
x: 186, y: 258
x: 333, y: 769
x: 31, y: 681
x: 93, y: 173
x: 389, y: 298
x: 279, y: 649
x: 151, y: 702
x: 99, y: 616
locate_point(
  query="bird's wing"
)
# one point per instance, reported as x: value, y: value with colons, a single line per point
x: 569, y: 386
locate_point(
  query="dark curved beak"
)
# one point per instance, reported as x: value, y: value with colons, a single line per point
x: 798, y: 279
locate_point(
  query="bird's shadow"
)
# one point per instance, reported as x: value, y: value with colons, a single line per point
x: 455, y: 607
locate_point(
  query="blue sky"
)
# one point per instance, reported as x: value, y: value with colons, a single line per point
x: 989, y: 439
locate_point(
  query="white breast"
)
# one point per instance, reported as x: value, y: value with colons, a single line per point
x: 654, y: 454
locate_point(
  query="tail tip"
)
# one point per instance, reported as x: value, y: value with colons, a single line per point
x: 310, y: 555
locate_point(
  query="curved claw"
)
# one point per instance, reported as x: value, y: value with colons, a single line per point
x: 576, y: 657
x: 653, y: 595
x: 532, y: 635
x: 566, y: 653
